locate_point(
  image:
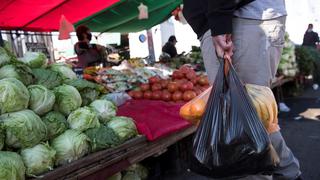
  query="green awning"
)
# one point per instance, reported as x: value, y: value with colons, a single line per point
x: 123, y: 16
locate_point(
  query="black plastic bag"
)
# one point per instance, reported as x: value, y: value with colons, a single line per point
x: 231, y: 141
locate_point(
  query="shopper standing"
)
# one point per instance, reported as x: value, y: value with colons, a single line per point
x: 310, y: 37
x: 252, y: 32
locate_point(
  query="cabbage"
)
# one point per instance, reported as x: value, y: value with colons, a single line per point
x: 83, y: 118
x: 14, y: 96
x: 64, y: 71
x: 102, y: 138
x: 89, y: 91
x: 124, y: 127
x: 105, y: 109
x: 68, y: 99
x: 138, y: 169
x: 70, y: 146
x: 1, y: 136
x: 117, y: 176
x: 4, y: 57
x: 56, y: 124
x: 23, y: 129
x: 11, y: 166
x: 48, y: 78
x: 41, y: 99
x: 38, y: 159
x: 35, y: 59
x: 19, y: 71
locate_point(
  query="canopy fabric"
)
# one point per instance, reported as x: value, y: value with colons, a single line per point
x: 123, y: 17
x: 44, y: 15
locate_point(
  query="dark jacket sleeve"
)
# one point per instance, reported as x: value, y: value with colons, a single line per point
x: 220, y: 14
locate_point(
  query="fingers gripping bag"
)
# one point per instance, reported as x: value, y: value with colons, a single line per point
x: 231, y: 141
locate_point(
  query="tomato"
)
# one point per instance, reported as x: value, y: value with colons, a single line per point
x: 156, y: 87
x: 172, y: 87
x: 164, y: 83
x: 191, y: 75
x: 183, y: 87
x: 147, y: 95
x: 131, y: 93
x: 154, y: 80
x: 194, y: 81
x: 177, y: 75
x: 184, y: 69
x: 197, y: 91
x: 166, y: 96
x: 176, y: 96
x: 156, y: 95
x: 188, y: 95
x: 189, y: 85
x: 145, y: 87
x: 87, y: 77
x: 203, y: 80
x: 197, y: 108
x: 137, y: 95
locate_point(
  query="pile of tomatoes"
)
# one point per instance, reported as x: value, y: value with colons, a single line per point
x: 184, y: 85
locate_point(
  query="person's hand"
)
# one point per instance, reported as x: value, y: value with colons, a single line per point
x: 223, y: 45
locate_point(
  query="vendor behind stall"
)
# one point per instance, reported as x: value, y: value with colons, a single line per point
x: 88, y: 54
x: 170, y: 48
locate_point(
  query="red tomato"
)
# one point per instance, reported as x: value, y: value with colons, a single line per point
x: 197, y: 91
x: 189, y: 95
x: 189, y: 85
x: 184, y: 69
x: 203, y: 80
x: 176, y: 96
x: 166, y: 96
x: 177, y: 75
x: 172, y: 87
x: 194, y: 81
x: 164, y: 83
x: 156, y: 87
x: 145, y: 87
x: 183, y: 87
x: 154, y: 80
x: 131, y: 93
x: 147, y: 95
x: 138, y: 95
x: 156, y: 95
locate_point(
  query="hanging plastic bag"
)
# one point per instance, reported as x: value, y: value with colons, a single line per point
x: 231, y: 140
x: 143, y: 11
x: 65, y: 28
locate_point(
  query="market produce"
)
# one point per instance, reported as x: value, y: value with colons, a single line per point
x: 184, y: 86
x: 102, y: 138
x: 41, y: 99
x: 47, y: 78
x: 1, y: 136
x: 56, y: 124
x: 138, y: 169
x: 23, y: 129
x: 68, y: 99
x: 105, y: 109
x: 14, y: 95
x: 288, y: 65
x: 19, y: 71
x: 83, y: 118
x: 11, y: 166
x: 38, y: 159
x: 70, y: 146
x: 4, y: 57
x: 89, y: 91
x: 64, y: 71
x: 35, y: 59
x: 124, y: 127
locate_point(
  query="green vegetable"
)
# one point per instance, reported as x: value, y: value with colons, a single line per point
x: 1, y: 136
x: 41, y: 99
x: 70, y: 146
x: 64, y: 71
x: 89, y: 91
x: 117, y: 176
x: 56, y: 124
x: 105, y: 109
x: 68, y: 99
x: 83, y: 118
x: 138, y: 169
x: 4, y: 57
x: 46, y: 77
x: 38, y: 159
x: 35, y: 59
x: 11, y: 166
x: 14, y: 95
x: 124, y: 127
x: 23, y: 129
x: 102, y: 138
x: 19, y: 71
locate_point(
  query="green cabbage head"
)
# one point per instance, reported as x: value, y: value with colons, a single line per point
x: 35, y: 59
x: 1, y: 136
x: 68, y: 99
x: 83, y: 118
x: 11, y: 166
x: 38, y: 159
x: 65, y: 71
x: 56, y: 124
x: 14, y: 96
x: 41, y: 99
x: 23, y: 129
x: 105, y: 109
x: 70, y: 146
x: 124, y: 127
x: 102, y: 138
x: 19, y: 71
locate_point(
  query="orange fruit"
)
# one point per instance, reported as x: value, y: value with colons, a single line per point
x: 197, y: 108
x: 185, y: 111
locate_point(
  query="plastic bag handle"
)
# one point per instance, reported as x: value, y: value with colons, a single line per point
x: 227, y: 63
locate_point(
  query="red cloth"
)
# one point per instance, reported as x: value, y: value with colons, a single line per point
x: 44, y: 15
x: 154, y: 119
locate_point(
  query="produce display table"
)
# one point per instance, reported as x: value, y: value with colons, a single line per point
x: 105, y: 163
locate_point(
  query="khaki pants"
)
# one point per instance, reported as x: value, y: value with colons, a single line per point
x: 258, y: 47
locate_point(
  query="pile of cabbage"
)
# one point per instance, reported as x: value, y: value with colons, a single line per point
x: 49, y: 118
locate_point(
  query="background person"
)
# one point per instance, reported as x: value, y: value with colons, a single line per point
x: 310, y: 37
